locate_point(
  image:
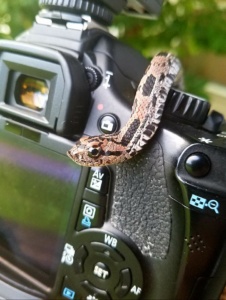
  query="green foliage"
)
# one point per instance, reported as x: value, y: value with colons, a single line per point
x: 186, y: 27
x: 16, y: 16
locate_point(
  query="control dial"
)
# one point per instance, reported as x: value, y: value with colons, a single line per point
x: 188, y: 108
x: 104, y: 267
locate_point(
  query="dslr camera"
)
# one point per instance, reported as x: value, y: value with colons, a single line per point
x: 150, y: 228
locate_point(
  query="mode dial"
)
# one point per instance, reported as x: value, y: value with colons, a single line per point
x: 101, y: 13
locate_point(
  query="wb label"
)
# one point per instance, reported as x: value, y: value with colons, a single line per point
x: 110, y: 240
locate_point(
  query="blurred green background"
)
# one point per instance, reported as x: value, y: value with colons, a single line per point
x: 195, y: 30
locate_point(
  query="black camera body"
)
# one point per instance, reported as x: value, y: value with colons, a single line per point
x: 150, y: 228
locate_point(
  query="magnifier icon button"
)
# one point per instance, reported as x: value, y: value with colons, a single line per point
x: 213, y: 204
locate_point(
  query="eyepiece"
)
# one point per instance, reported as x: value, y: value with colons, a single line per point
x: 32, y: 92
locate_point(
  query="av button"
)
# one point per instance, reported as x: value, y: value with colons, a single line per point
x: 99, y: 180
x: 101, y: 271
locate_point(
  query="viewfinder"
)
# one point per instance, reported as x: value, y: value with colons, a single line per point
x: 32, y: 92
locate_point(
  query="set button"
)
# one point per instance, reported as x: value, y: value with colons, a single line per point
x: 101, y: 271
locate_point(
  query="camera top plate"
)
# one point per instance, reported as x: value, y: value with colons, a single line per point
x: 104, y: 10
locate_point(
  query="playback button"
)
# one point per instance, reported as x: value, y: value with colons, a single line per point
x: 68, y: 293
x: 91, y: 215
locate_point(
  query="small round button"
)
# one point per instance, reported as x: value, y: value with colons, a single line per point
x: 108, y: 123
x: 198, y: 165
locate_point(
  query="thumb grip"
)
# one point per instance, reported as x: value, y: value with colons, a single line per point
x: 141, y: 207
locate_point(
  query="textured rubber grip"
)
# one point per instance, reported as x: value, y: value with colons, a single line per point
x: 80, y: 6
x: 141, y: 207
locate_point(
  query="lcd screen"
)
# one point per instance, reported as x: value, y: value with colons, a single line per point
x: 37, y: 192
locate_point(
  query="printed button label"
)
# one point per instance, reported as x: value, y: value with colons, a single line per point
x: 89, y: 211
x: 86, y: 222
x: 110, y: 240
x: 96, y: 184
x: 101, y: 271
x: 90, y: 297
x: 68, y: 254
x: 69, y: 294
x: 107, y: 79
x: 99, y: 180
x: 202, y: 203
x: 91, y: 215
x: 107, y: 125
x: 136, y: 290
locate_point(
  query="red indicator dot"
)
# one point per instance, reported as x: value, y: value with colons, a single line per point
x: 100, y: 106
